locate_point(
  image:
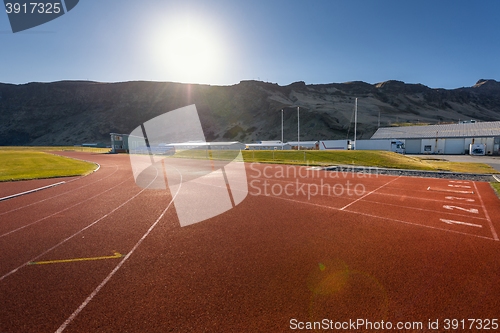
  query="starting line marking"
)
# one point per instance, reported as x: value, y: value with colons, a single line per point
x: 115, y: 256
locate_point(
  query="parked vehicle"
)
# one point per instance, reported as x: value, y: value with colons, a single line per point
x: 477, y: 149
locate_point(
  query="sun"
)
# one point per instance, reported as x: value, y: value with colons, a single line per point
x: 189, y: 51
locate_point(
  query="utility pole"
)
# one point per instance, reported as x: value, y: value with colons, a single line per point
x: 281, y: 129
x: 355, y: 121
x: 298, y: 129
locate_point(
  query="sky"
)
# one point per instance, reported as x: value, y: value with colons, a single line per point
x: 441, y: 44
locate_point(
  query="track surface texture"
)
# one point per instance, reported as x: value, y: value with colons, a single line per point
x: 101, y: 254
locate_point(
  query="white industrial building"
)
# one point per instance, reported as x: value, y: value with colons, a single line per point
x: 268, y: 145
x: 445, y: 139
x: 233, y: 145
x: 304, y: 144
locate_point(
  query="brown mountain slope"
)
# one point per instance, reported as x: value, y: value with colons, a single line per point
x: 73, y: 112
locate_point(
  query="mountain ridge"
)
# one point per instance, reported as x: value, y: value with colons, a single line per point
x: 74, y: 112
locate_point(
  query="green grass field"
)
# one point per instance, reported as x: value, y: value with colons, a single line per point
x: 30, y: 164
x: 18, y: 163
x: 369, y: 158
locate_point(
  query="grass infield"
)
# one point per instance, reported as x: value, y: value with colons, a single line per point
x: 21, y: 163
x: 30, y: 164
x: 368, y: 158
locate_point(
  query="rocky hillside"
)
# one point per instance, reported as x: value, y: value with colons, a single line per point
x: 74, y: 112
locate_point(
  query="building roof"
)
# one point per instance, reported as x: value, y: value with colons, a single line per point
x: 467, y: 130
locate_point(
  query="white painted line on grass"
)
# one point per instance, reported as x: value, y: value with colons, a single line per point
x: 493, y: 231
x: 378, y: 188
x: 31, y: 191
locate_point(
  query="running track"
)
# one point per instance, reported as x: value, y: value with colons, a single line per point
x: 306, y: 245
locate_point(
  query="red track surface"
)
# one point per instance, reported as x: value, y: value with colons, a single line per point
x: 396, y: 249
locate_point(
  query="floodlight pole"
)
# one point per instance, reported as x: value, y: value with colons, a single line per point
x: 281, y: 129
x: 355, y: 121
x: 298, y: 129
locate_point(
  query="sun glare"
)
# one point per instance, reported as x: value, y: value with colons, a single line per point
x: 189, y: 51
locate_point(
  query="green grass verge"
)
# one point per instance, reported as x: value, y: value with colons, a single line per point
x: 368, y: 158
x: 29, y: 164
x: 496, y: 187
x: 18, y: 163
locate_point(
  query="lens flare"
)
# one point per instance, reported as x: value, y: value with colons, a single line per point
x: 340, y: 293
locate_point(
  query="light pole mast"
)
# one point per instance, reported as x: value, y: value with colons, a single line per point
x: 298, y: 129
x: 355, y: 121
x: 281, y: 129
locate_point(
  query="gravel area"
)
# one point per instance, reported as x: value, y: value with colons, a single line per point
x: 413, y: 173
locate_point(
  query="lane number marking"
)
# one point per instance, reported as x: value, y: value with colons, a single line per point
x: 460, y: 222
x: 469, y: 210
x: 458, y: 198
x: 459, y: 186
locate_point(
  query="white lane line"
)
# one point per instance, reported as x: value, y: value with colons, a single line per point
x: 120, y: 264
x: 58, y: 195
x: 60, y: 211
x: 378, y: 188
x: 274, y: 181
x: 75, y: 234
x: 493, y: 231
x: 31, y: 191
x: 382, y: 218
